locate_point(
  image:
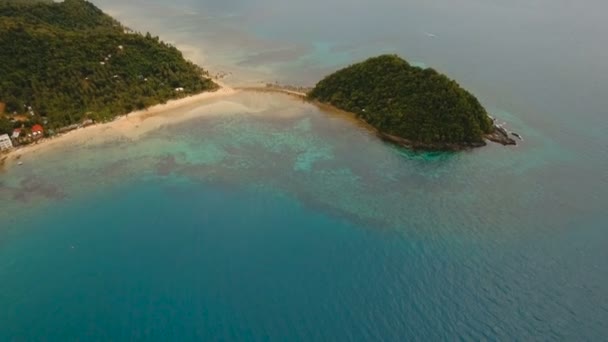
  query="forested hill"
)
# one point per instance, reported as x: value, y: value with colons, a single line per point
x: 419, y: 105
x: 69, y: 61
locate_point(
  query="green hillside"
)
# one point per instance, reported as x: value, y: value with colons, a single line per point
x: 420, y: 105
x: 69, y: 61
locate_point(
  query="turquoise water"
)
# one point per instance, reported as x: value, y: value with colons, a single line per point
x: 272, y: 220
x: 241, y: 264
x: 299, y: 226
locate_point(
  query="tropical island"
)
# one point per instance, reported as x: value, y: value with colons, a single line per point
x: 410, y: 106
x: 66, y: 63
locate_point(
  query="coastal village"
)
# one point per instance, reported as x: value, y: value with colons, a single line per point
x: 29, y: 128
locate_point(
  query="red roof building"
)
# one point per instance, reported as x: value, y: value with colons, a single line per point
x: 37, y: 130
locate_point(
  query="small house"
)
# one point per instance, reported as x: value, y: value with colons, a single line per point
x: 5, y: 142
x: 16, y: 133
x: 37, y: 131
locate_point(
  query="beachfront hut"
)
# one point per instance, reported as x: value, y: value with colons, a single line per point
x: 5, y: 142
x: 37, y: 131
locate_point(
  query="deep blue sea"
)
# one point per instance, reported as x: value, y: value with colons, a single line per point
x: 262, y: 218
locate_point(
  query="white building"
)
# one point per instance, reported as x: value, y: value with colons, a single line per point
x: 5, y: 142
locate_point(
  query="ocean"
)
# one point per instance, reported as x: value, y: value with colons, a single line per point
x: 274, y: 220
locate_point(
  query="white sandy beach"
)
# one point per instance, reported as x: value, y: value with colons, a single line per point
x: 130, y: 126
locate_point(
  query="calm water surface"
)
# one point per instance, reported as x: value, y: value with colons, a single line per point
x: 276, y: 221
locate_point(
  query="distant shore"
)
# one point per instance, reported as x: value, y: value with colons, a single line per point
x: 131, y: 125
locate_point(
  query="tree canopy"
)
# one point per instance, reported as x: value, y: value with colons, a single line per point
x: 420, y: 105
x: 68, y: 60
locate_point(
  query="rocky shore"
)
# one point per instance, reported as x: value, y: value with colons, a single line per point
x: 500, y: 136
x: 416, y: 145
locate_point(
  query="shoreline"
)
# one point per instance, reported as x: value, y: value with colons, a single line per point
x: 137, y: 123
x: 130, y: 125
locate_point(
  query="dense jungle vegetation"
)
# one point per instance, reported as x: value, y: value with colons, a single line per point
x: 420, y: 105
x: 69, y: 61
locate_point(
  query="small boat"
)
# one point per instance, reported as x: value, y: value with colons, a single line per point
x: 20, y: 163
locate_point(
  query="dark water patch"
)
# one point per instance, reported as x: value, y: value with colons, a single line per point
x: 115, y: 169
x: 286, y: 54
x: 32, y: 187
x: 310, y: 200
x: 166, y: 165
x: 109, y: 144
